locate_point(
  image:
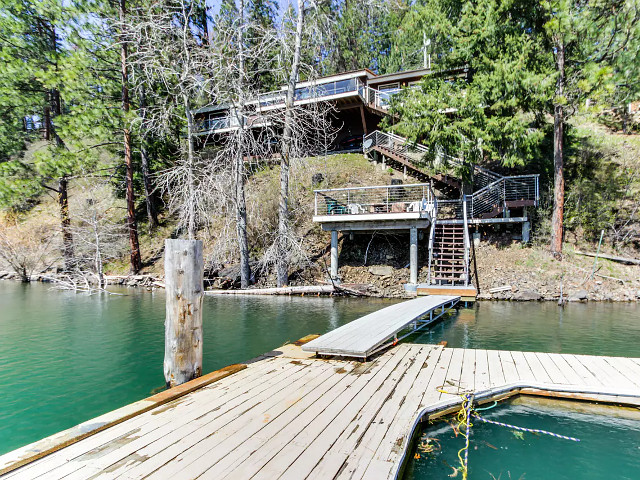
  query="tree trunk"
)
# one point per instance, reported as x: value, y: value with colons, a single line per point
x: 65, y: 221
x: 149, y: 198
x: 47, y: 123
x: 136, y: 263
x: 183, y: 273
x: 282, y: 260
x: 191, y: 213
x: 558, y: 158
x: 241, y: 203
x: 152, y: 214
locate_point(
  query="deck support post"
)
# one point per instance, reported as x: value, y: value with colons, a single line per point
x: 413, y: 255
x: 334, y: 254
x: 183, y: 273
x: 526, y: 227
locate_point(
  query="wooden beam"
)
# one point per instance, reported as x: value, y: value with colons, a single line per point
x: 625, y: 260
x: 364, y: 120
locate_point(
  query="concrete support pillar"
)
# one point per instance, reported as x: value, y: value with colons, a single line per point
x: 384, y: 165
x: 413, y: 255
x: 526, y: 228
x: 334, y: 254
x: 404, y: 173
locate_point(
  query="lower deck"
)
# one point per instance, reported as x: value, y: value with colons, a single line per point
x: 290, y: 415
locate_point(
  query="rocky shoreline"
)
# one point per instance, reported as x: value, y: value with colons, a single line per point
x: 384, y: 288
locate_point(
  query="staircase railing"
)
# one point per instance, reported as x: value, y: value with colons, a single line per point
x: 466, y: 241
x: 498, y: 194
x: 432, y: 237
x: 414, y: 152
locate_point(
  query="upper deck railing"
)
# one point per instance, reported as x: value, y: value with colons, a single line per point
x: 315, y: 92
x: 413, y: 198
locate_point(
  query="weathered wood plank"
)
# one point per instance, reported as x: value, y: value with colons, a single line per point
x: 345, y: 400
x: 451, y: 382
x: 551, y: 368
x: 482, y: 380
x: 537, y: 368
x: 192, y: 462
x: 522, y: 366
x: 160, y: 426
x: 307, y: 449
x: 496, y: 375
x: 508, y: 367
x: 627, y: 367
x: 357, y: 442
x: 468, y: 373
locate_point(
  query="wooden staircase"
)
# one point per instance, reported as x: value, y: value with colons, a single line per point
x: 449, y: 258
x: 448, y: 184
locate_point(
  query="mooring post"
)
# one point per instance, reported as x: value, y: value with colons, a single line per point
x: 183, y: 273
x: 413, y: 255
x: 334, y: 254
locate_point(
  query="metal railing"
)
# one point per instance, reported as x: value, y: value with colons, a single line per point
x: 494, y: 199
x: 411, y: 151
x: 502, y: 193
x: 413, y: 198
x: 313, y: 91
x: 491, y: 190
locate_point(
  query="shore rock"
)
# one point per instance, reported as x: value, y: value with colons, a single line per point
x: 526, y: 296
x: 381, y: 270
x: 579, y: 296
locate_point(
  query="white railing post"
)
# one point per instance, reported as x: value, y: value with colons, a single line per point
x: 316, y: 204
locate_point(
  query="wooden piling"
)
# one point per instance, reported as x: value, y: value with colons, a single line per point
x: 184, y: 270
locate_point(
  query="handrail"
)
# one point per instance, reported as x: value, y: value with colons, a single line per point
x: 467, y: 246
x: 403, y: 185
x: 418, y: 197
x: 432, y: 237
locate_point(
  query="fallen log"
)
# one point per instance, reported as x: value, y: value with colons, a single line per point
x: 313, y: 289
x: 625, y: 260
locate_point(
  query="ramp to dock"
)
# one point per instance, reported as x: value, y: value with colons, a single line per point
x: 369, y: 334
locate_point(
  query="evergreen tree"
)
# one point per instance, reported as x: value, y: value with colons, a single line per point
x: 526, y: 62
x: 261, y: 21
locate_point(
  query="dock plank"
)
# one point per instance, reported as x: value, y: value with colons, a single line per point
x: 539, y: 372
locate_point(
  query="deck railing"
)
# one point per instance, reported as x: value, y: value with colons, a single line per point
x: 313, y: 91
x: 495, y: 198
x: 413, y: 198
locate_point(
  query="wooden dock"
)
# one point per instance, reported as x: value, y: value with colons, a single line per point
x: 367, y: 335
x: 291, y: 416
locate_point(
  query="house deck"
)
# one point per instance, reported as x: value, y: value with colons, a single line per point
x: 291, y: 416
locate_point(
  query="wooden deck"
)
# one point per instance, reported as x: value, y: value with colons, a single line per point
x: 294, y: 417
x: 366, y: 335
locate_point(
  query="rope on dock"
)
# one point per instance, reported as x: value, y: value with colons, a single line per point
x: 523, y: 429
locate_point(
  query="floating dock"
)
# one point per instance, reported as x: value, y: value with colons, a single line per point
x: 367, y: 335
x: 292, y: 416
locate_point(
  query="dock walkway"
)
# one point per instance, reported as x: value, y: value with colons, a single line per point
x: 365, y: 336
x: 290, y: 416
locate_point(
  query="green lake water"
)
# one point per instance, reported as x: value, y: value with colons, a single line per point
x: 609, y: 446
x: 66, y: 358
